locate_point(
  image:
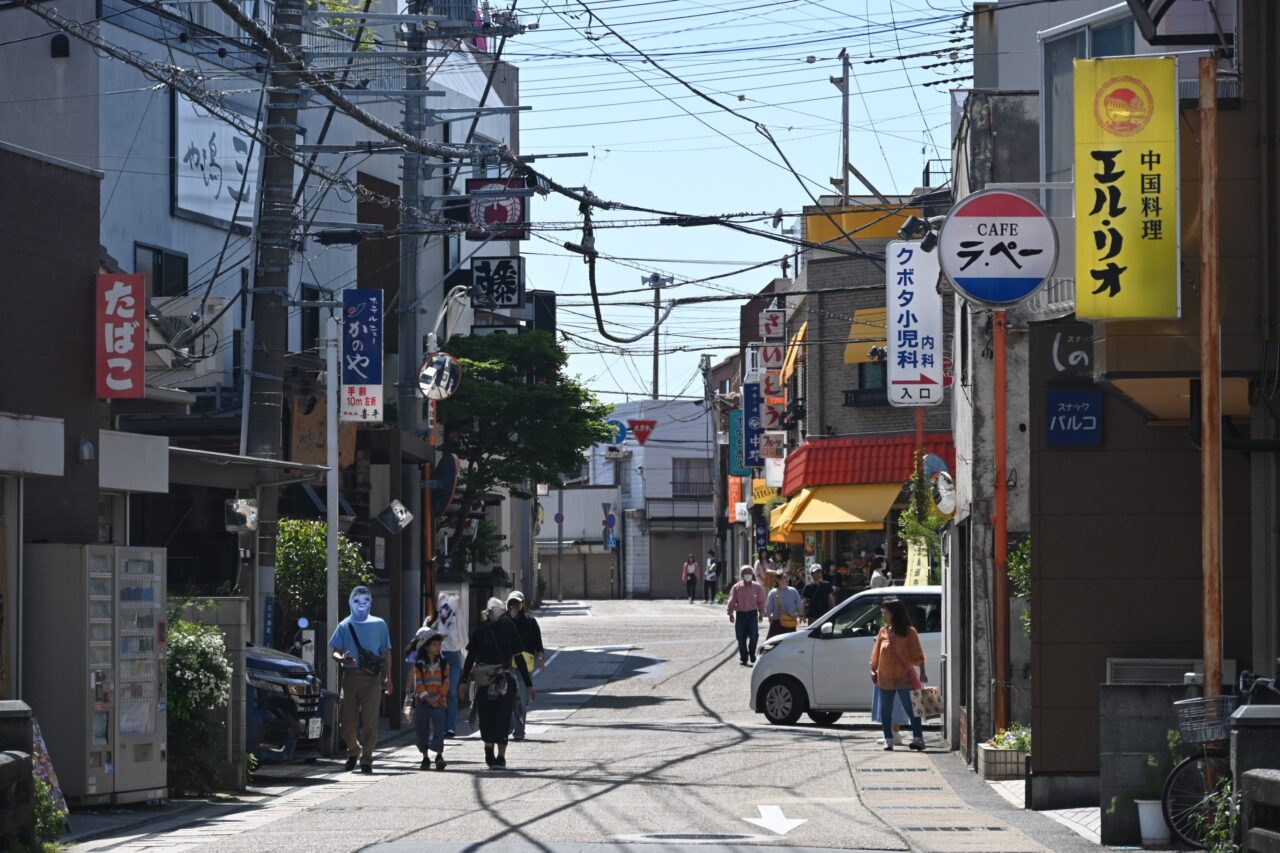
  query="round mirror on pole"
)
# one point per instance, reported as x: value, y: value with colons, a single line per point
x: 439, y: 375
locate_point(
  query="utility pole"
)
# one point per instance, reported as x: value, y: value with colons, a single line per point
x: 1210, y: 382
x: 656, y: 281
x: 270, y: 291
x: 717, y: 510
x: 844, y: 125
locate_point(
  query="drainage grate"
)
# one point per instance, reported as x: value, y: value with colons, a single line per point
x: 893, y: 769
x: 955, y: 829
x: 955, y: 808
x: 903, y: 788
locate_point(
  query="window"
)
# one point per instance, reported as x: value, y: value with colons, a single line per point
x: 691, y: 478
x: 859, y: 618
x: 310, y: 340
x: 165, y: 272
x: 872, y: 375
x: 1104, y: 38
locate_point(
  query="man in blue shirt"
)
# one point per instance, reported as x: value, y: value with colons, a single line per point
x: 362, y: 645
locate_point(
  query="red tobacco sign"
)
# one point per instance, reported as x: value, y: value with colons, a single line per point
x: 119, y: 310
x: 641, y: 429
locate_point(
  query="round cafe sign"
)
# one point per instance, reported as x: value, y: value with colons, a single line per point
x: 997, y: 247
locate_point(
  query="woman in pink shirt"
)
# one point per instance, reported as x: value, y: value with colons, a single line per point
x: 746, y: 602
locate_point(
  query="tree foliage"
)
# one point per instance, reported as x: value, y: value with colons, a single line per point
x: 1019, y: 562
x: 516, y: 418
x: 302, y: 568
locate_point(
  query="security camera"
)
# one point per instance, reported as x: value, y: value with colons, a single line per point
x: 194, y: 316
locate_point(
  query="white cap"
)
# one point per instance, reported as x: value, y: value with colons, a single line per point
x: 516, y: 595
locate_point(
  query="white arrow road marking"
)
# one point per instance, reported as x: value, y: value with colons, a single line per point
x: 772, y: 819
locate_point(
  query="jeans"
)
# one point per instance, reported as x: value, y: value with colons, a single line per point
x: 886, y: 715
x: 455, y: 675
x: 428, y: 727
x: 521, y: 708
x: 708, y: 590
x: 747, y: 628
x: 691, y: 586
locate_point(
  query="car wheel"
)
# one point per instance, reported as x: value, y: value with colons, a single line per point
x: 824, y: 718
x: 783, y: 701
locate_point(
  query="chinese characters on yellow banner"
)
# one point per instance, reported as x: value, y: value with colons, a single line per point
x: 1126, y: 175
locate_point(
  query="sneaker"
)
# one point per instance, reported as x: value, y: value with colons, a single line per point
x: 451, y: 733
x: 517, y: 737
x: 742, y: 663
x: 500, y: 761
x: 366, y: 769
x: 917, y: 745
x: 426, y: 764
x: 351, y: 763
x: 888, y: 746
x: 440, y: 762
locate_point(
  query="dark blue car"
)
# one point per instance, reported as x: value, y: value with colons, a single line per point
x: 284, y: 714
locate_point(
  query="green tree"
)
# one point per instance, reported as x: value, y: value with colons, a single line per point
x: 302, y: 568
x: 344, y: 27
x: 1019, y: 565
x: 516, y: 418
x: 920, y: 524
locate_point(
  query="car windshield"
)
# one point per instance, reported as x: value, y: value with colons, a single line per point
x: 860, y: 618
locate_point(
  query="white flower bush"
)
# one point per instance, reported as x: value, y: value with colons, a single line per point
x: 199, y: 672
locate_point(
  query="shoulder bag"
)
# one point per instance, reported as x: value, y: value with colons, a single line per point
x: 484, y: 674
x: 370, y: 664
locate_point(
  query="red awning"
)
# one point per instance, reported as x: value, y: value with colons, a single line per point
x: 848, y: 461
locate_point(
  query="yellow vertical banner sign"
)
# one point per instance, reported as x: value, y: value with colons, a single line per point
x: 917, y: 565
x: 1126, y: 176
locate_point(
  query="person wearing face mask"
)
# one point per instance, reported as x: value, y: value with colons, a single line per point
x: 495, y: 645
x: 362, y: 645
x: 449, y: 623
x: 746, y: 605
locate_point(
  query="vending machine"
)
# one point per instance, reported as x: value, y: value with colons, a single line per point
x: 93, y: 647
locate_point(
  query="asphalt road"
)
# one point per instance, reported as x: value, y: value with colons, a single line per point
x: 640, y: 736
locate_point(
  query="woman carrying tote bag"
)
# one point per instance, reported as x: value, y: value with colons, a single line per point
x: 894, y: 659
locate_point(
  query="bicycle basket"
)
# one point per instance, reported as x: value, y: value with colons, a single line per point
x: 1204, y: 720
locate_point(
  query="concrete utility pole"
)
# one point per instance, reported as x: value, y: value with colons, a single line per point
x: 656, y: 281
x: 1210, y: 382
x: 844, y: 125
x: 270, y: 291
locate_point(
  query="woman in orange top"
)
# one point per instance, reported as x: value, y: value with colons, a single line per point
x: 894, y: 657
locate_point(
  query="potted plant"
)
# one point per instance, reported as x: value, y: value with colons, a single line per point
x: 1005, y: 755
x: 1147, y: 799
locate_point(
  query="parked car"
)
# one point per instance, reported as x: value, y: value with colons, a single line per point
x: 822, y: 669
x: 284, y: 717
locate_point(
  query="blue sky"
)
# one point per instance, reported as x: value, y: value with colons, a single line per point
x: 591, y: 93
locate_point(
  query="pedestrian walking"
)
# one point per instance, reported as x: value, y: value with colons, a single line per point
x: 448, y: 621
x: 534, y: 655
x: 878, y: 576
x: 362, y: 645
x: 710, y: 578
x: 746, y: 606
x: 764, y: 566
x: 488, y: 671
x: 782, y: 606
x: 689, y: 573
x: 818, y: 595
x: 427, y: 695
x: 894, y: 659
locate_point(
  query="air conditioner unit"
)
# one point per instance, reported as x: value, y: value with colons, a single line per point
x: 1161, y: 670
x: 201, y: 339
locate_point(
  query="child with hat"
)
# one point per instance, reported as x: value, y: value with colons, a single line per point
x: 429, y: 691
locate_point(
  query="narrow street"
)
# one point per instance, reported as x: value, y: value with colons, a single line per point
x: 640, y: 735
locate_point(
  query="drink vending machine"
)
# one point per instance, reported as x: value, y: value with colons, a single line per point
x: 93, y: 648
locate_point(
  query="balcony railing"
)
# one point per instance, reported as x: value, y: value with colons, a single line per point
x: 866, y: 397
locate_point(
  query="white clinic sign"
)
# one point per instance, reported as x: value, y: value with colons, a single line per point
x: 913, y: 325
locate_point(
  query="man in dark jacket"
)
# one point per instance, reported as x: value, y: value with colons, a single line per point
x: 534, y: 653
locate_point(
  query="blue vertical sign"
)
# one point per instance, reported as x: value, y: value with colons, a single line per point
x: 737, y: 445
x: 362, y: 316
x: 753, y: 428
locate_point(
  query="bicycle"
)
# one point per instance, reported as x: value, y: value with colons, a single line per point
x: 1188, y: 791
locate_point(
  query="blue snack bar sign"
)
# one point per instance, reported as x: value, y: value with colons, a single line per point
x: 1073, y: 417
x: 362, y: 316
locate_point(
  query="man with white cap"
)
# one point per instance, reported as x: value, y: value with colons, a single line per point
x: 531, y: 639
x: 448, y: 621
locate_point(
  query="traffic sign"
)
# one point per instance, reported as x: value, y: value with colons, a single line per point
x: 619, y: 431
x: 641, y: 429
x: 610, y: 520
x: 997, y: 247
x: 559, y: 517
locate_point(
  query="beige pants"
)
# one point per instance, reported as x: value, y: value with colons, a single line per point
x: 361, y: 701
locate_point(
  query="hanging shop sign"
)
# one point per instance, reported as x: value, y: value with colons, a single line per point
x: 494, y: 215
x: 212, y: 167
x: 1126, y: 166
x: 1073, y: 417
x: 362, y: 315
x: 773, y: 444
x: 497, y: 283
x: 997, y: 247
x: 914, y: 325
x: 762, y: 493
x: 119, y: 309
x: 737, y: 444
x: 1070, y: 351
x: 752, y: 426
x: 769, y: 356
x: 773, y: 323
x: 734, y: 498
x: 917, y: 565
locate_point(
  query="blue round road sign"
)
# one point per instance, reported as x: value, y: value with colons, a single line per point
x: 610, y: 520
x: 559, y: 518
x: 997, y: 247
x: 619, y: 432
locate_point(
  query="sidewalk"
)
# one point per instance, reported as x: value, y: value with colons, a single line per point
x: 270, y: 782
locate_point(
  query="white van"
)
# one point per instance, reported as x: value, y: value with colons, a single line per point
x: 823, y: 669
